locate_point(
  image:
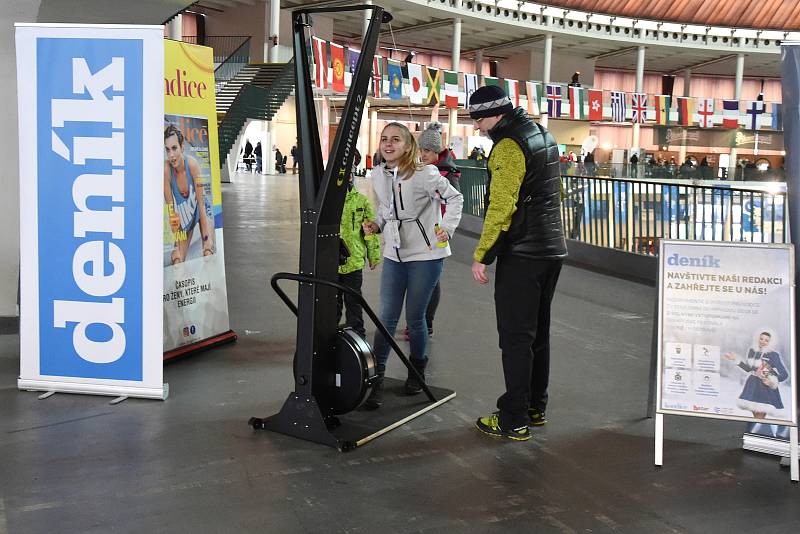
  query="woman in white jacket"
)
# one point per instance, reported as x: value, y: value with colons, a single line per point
x: 416, y: 241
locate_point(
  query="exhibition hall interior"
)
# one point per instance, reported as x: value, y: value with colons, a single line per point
x: 425, y: 266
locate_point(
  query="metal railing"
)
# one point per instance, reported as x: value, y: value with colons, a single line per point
x: 224, y: 45
x: 230, y: 62
x: 673, y: 170
x: 633, y: 215
x: 473, y: 185
x: 231, y: 54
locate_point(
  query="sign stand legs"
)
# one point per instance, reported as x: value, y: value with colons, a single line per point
x: 795, y: 469
x: 659, y: 439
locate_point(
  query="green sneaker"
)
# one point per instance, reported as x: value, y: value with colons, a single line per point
x: 491, y: 425
x: 537, y: 417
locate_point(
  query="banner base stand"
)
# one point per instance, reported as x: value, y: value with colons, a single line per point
x: 766, y: 445
x: 53, y: 386
x: 228, y: 337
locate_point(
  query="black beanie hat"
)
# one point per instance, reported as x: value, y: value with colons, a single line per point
x: 489, y: 101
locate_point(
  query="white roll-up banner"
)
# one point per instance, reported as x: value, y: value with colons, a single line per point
x: 91, y: 110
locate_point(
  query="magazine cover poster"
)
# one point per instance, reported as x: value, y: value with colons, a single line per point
x: 195, y: 297
x: 726, y: 327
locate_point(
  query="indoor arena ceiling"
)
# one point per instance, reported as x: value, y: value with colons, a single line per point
x: 427, y: 27
x: 758, y: 14
x: 110, y: 11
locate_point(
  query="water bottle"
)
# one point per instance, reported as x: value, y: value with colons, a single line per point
x: 439, y: 244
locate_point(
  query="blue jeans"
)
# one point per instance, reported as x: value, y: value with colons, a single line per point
x: 412, y: 281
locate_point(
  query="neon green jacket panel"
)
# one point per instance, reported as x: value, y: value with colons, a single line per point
x: 358, y: 210
x: 507, y: 167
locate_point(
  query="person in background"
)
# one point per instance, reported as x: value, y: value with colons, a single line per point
x: 705, y: 170
x: 523, y: 231
x: 258, y: 155
x: 687, y: 169
x: 295, y: 153
x: 408, y: 215
x: 672, y: 168
x: 634, y: 165
x: 362, y: 249
x: 588, y: 162
x: 280, y: 168
x: 248, y: 155
x: 356, y: 163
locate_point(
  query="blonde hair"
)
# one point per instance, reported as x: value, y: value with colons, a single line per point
x: 409, y: 162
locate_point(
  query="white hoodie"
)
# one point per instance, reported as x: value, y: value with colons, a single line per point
x: 414, y: 205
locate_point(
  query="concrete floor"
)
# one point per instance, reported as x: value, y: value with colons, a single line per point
x: 74, y: 463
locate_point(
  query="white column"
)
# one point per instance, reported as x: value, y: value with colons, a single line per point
x: 274, y: 29
x: 681, y: 154
x: 267, y: 155
x: 363, y: 134
x: 687, y: 89
x: 739, y: 75
x: 452, y: 121
x: 479, y: 62
x: 639, y: 89
x: 532, y: 75
x: 175, y: 28
x: 687, y: 82
x: 271, y: 56
x: 373, y: 132
x: 266, y: 28
x: 737, y: 94
x: 548, y: 55
x: 367, y: 16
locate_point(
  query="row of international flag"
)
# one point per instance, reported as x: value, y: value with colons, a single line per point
x: 424, y: 85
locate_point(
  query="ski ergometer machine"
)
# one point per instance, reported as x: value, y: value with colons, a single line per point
x: 334, y: 368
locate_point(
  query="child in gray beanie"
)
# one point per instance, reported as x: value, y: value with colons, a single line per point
x: 431, y: 138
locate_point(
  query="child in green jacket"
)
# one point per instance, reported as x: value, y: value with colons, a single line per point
x: 362, y: 249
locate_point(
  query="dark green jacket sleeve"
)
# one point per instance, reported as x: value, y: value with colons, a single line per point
x: 507, y: 165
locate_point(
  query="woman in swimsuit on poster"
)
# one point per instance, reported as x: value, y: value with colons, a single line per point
x: 184, y: 197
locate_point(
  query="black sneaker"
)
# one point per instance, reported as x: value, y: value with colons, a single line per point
x: 491, y: 425
x: 537, y: 417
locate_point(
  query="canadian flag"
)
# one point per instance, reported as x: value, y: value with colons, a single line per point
x: 595, y: 105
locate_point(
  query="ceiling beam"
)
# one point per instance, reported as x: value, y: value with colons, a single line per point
x: 226, y: 3
x: 417, y: 27
x: 614, y: 53
x: 507, y: 44
x: 323, y: 3
x: 201, y: 7
x: 705, y: 63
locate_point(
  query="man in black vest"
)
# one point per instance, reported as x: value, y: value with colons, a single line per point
x: 523, y: 231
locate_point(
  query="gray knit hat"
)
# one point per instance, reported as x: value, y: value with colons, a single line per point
x: 431, y: 138
x: 489, y: 101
